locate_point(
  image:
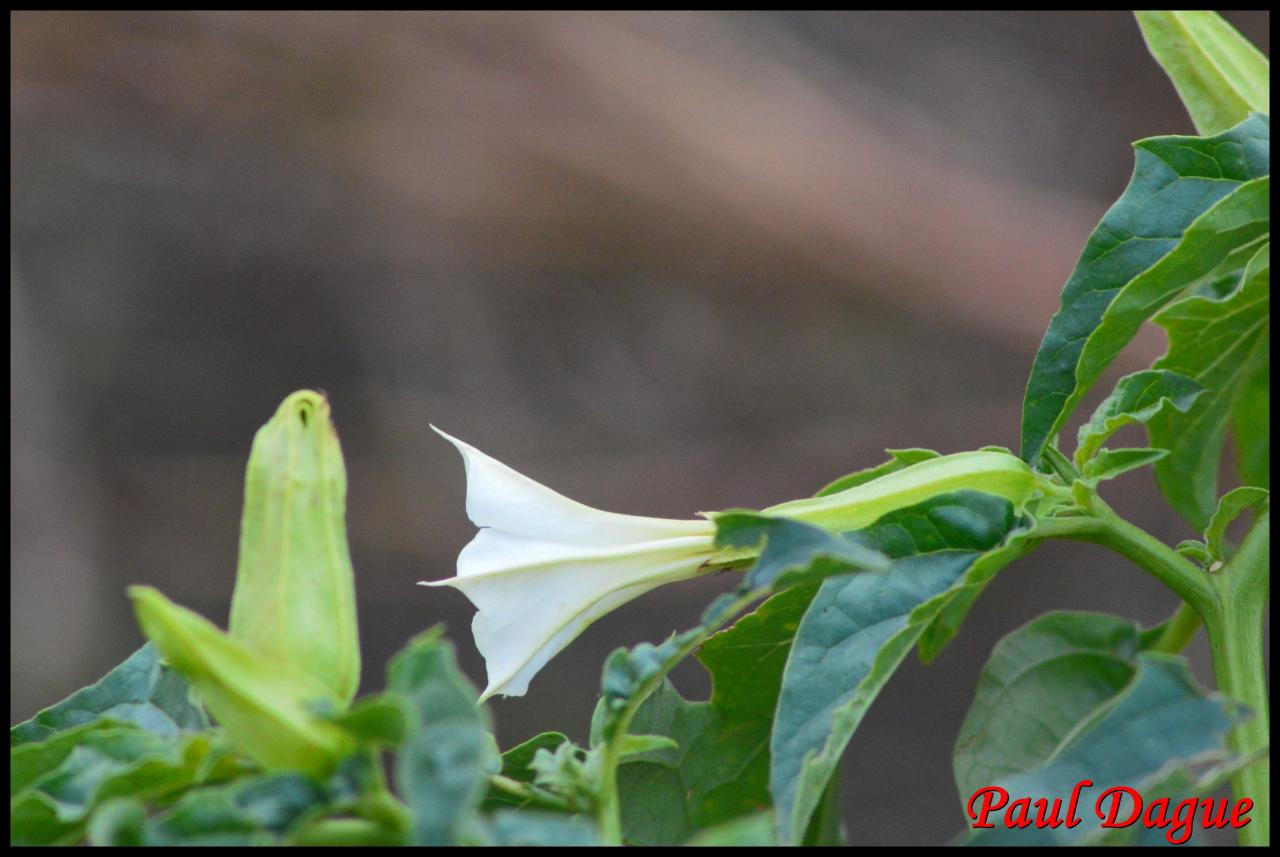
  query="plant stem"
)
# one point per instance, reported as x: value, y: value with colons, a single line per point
x: 1180, y: 631
x: 1104, y: 527
x: 1231, y: 602
x: 1235, y: 641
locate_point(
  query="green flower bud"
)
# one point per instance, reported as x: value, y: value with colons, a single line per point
x: 295, y: 589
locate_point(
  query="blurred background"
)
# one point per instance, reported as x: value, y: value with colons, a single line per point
x: 660, y: 262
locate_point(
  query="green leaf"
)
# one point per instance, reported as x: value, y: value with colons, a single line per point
x: 516, y: 764
x: 946, y: 624
x: 377, y: 720
x: 254, y: 811
x: 638, y: 745
x: 1110, y: 463
x: 56, y: 786
x: 516, y: 761
x: 570, y: 773
x: 294, y: 598
x: 720, y: 769
x: 1229, y: 508
x: 1182, y: 782
x: 441, y: 771
x: 754, y: 829
x: 29, y: 761
x: 349, y: 807
x: 326, y: 832
x: 898, y: 460
x: 1251, y: 426
x: 860, y: 627
x: 540, y: 829
x: 1220, y: 77
x: 1159, y: 723
x: 1221, y: 344
x: 268, y: 710
x: 1136, y: 399
x: 630, y: 676
x: 794, y: 552
x: 1195, y: 551
x: 1039, y: 684
x: 140, y: 690
x: 1191, y: 203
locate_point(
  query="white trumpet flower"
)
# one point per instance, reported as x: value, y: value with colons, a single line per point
x: 544, y: 567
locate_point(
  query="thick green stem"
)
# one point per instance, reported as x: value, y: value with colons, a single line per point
x: 1104, y: 527
x: 1231, y: 602
x: 1235, y: 640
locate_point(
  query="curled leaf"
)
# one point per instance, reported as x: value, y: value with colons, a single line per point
x: 267, y: 708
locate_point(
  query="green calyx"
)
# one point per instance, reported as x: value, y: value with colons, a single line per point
x: 988, y: 471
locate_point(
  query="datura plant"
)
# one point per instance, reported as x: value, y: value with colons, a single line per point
x: 1084, y: 728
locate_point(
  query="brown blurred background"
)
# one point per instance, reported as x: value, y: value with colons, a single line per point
x: 661, y: 262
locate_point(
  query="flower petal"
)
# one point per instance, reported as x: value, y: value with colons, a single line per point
x: 529, y: 614
x: 503, y: 499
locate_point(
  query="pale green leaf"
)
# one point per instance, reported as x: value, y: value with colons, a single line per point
x: 898, y: 460
x: 1219, y: 75
x: 1229, y: 508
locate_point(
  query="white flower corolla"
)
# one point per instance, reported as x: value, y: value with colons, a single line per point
x: 544, y: 567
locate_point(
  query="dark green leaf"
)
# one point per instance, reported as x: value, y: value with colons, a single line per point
x: 857, y: 631
x: 1221, y: 344
x: 542, y: 829
x: 1159, y: 723
x: 721, y: 766
x: 441, y: 770
x: 140, y: 690
x: 794, y: 552
x: 516, y: 761
x: 516, y: 766
x: 1040, y: 683
x: 53, y: 806
x: 254, y: 811
x: 1191, y: 202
